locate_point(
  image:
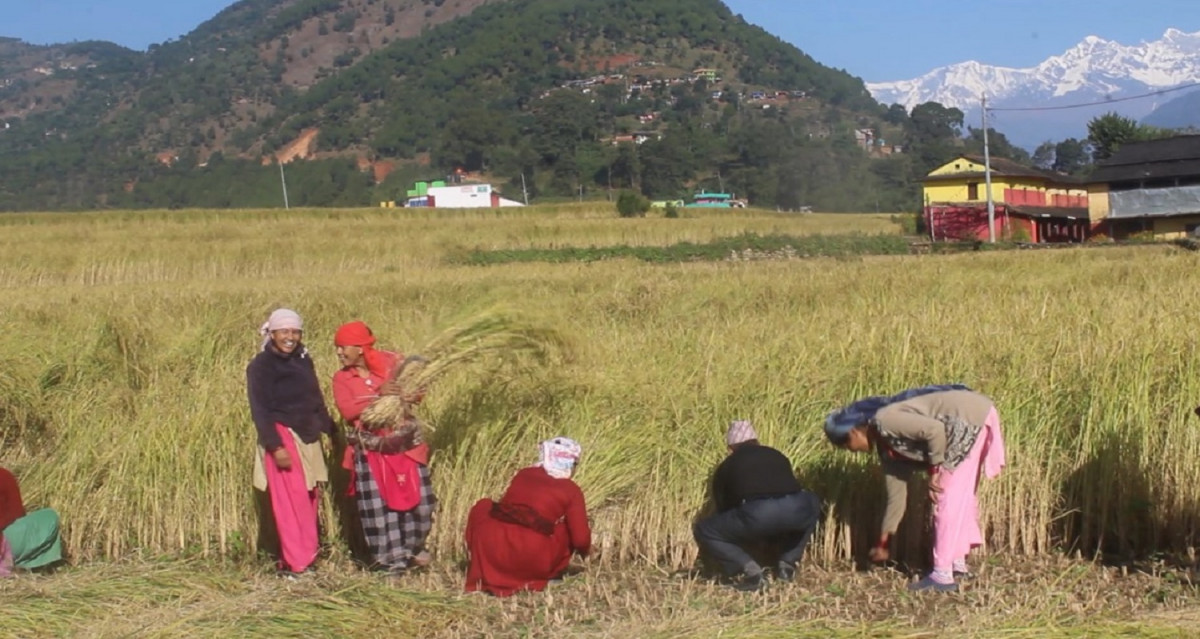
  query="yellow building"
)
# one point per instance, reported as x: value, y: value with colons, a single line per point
x: 1148, y: 188
x: 1028, y: 204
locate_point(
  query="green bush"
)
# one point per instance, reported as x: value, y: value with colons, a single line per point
x: 744, y: 247
x: 671, y: 211
x: 631, y: 204
x: 910, y: 223
x: 1020, y: 234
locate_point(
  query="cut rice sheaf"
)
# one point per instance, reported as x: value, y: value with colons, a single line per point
x: 492, y: 338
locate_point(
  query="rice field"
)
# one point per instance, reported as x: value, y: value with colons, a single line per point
x: 195, y: 598
x: 124, y: 337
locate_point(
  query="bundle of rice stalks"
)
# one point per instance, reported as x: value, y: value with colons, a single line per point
x: 491, y: 340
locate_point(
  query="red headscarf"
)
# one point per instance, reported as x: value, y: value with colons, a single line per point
x: 359, y: 334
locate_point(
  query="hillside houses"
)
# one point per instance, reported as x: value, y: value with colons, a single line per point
x: 640, y: 85
x: 594, y: 80
x: 868, y: 140
x: 647, y: 90
x: 636, y: 137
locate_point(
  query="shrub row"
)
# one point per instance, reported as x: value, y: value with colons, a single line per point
x: 741, y: 247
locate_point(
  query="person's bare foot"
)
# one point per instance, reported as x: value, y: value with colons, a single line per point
x: 421, y: 559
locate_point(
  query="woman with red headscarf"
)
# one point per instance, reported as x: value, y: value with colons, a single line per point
x: 391, y: 481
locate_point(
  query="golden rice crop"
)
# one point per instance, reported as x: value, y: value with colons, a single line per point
x: 488, y: 342
x: 125, y: 336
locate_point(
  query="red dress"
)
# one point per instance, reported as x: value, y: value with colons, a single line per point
x: 11, y: 506
x: 507, y: 557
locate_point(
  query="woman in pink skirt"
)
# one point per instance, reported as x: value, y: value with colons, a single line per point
x: 951, y: 431
x: 289, y: 416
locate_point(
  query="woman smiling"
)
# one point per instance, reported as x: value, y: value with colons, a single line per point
x: 289, y: 414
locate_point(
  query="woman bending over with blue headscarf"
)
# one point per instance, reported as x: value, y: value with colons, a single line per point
x: 952, y: 432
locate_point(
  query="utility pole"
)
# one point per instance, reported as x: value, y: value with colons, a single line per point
x: 928, y: 211
x: 987, y: 174
x: 524, y: 192
x: 283, y: 182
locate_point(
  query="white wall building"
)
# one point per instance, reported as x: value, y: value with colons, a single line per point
x: 467, y: 196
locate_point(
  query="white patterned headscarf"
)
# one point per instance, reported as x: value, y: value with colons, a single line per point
x: 559, y: 456
x: 280, y: 319
x: 739, y: 431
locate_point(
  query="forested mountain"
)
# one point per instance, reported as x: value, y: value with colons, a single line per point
x: 359, y: 97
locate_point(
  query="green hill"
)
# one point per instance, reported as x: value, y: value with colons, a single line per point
x: 361, y: 96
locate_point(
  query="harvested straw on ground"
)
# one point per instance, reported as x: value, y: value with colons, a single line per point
x: 491, y: 340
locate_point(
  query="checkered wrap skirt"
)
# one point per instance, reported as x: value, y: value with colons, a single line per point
x: 392, y: 536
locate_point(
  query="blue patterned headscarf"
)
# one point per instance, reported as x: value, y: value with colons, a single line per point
x: 841, y: 421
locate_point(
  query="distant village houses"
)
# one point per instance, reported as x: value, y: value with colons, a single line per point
x: 1150, y: 188
x: 454, y: 195
x: 869, y: 141
x: 638, y: 84
x: 1146, y: 189
x: 637, y: 137
x: 1028, y: 204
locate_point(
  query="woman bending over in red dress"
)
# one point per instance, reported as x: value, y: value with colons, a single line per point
x: 527, y: 538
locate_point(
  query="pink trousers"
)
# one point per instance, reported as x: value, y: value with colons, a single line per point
x: 6, y: 557
x: 956, y: 517
x: 294, y: 507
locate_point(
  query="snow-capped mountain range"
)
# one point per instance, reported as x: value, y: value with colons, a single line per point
x: 1095, y: 70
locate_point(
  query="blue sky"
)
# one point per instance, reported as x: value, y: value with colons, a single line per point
x: 876, y: 40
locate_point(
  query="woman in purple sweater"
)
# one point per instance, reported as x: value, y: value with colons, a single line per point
x: 289, y: 414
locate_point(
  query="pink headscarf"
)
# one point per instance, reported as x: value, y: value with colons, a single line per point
x: 559, y: 456
x: 280, y: 319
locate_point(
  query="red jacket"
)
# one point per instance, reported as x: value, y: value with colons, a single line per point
x: 507, y: 557
x: 352, y: 393
x: 11, y: 506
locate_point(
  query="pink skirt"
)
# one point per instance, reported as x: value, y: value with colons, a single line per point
x: 956, y: 516
x: 294, y: 507
x: 6, y: 557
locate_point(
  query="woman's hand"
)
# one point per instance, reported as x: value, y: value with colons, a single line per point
x: 391, y: 387
x: 368, y: 441
x: 394, y: 443
x: 282, y: 459
x: 935, y: 487
x: 879, y: 552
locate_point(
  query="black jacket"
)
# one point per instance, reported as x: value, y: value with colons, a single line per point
x: 284, y: 389
x: 752, y: 472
